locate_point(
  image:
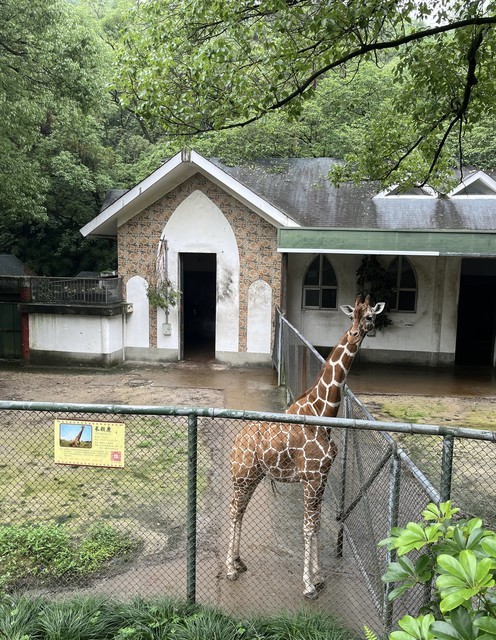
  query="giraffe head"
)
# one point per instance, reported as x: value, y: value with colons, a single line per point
x: 362, y: 317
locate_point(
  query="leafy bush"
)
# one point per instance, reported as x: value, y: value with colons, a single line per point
x: 459, y: 557
x: 103, y: 543
x: 45, y: 552
x: 162, y: 294
x: 100, y: 618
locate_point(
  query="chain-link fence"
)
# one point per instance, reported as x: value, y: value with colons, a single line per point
x: 384, y: 479
x: 163, y: 507
x: 295, y: 359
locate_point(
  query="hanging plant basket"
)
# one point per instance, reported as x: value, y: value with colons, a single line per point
x: 162, y: 295
x: 372, y: 280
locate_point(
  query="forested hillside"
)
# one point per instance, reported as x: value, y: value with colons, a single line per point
x: 95, y: 94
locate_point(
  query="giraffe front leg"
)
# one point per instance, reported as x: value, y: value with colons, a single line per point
x: 309, y: 590
x: 317, y: 577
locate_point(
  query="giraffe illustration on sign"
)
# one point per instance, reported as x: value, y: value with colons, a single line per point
x: 296, y: 452
x: 76, y: 442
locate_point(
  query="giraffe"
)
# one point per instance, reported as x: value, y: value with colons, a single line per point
x: 76, y: 442
x: 298, y: 453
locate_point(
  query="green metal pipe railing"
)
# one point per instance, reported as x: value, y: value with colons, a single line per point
x: 344, y: 423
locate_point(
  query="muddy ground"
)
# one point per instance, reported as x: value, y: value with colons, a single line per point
x: 402, y: 396
x: 189, y: 384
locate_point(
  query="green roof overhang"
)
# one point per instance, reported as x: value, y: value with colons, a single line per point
x: 388, y: 242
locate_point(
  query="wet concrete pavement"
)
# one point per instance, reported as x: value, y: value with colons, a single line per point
x: 426, y: 381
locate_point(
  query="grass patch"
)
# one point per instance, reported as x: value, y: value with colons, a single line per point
x: 102, y: 619
x: 35, y: 555
x: 151, y: 488
x: 407, y: 411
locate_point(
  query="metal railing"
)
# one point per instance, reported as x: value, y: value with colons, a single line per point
x: 78, y: 291
x: 172, y: 495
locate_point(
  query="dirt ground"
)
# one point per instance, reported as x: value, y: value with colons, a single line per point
x: 411, y: 397
x: 191, y: 384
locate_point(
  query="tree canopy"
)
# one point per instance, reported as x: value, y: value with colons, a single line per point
x: 55, y: 165
x: 96, y: 94
x: 212, y: 65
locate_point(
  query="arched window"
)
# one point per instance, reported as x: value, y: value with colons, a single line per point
x: 320, y: 285
x: 403, y: 282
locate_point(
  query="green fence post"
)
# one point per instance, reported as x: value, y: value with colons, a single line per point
x: 192, y: 505
x: 393, y: 519
x: 446, y: 467
x: 342, y: 481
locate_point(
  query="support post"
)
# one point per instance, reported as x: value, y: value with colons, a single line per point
x: 342, y: 487
x: 446, y: 467
x: 279, y: 349
x: 393, y: 516
x: 192, y: 508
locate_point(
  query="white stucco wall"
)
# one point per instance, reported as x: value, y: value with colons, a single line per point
x: 199, y: 226
x: 322, y: 328
x: 137, y: 324
x: 259, y: 317
x: 422, y: 336
x: 73, y: 334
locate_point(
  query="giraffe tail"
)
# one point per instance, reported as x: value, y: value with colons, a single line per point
x: 273, y: 485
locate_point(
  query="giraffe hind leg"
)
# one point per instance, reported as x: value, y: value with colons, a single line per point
x: 242, y: 494
x: 312, y: 579
x: 233, y: 561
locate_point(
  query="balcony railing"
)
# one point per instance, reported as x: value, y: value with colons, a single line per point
x: 77, y: 291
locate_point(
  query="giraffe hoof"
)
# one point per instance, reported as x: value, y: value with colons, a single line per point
x: 311, y: 595
x: 232, y: 576
x: 240, y: 566
x: 320, y: 585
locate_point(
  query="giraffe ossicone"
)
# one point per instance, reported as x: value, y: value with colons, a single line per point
x: 298, y: 453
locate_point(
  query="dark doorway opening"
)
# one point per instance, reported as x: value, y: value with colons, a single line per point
x: 198, y: 284
x: 476, y: 313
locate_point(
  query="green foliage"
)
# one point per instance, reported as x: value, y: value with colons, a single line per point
x: 214, y: 65
x: 300, y: 625
x: 162, y: 294
x: 54, y: 168
x: 460, y: 558
x: 99, y: 618
x: 372, y: 280
x: 43, y: 553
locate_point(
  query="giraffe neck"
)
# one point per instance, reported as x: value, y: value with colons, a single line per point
x: 325, y: 396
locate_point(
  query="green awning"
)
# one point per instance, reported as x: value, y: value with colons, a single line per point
x: 384, y: 242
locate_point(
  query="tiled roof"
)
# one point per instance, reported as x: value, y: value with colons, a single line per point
x: 300, y: 188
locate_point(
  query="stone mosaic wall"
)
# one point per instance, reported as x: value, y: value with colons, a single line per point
x: 257, y: 243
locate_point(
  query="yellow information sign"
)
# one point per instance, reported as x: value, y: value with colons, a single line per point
x: 94, y: 444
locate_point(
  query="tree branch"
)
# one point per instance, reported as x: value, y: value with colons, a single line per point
x: 358, y: 53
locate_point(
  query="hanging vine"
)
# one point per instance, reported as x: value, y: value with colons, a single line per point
x: 372, y: 280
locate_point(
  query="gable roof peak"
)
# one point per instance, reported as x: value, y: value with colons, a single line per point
x: 169, y: 175
x: 477, y: 184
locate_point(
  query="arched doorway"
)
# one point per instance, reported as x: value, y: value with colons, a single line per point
x: 198, y: 286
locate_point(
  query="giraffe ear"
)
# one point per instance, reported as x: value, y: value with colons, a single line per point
x: 347, y: 310
x: 379, y: 308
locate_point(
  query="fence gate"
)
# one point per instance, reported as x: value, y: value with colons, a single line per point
x: 10, y: 331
